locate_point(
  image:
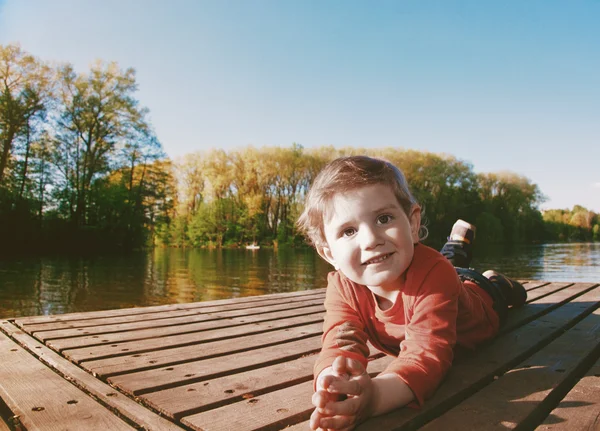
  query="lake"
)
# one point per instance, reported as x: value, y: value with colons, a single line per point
x: 55, y: 285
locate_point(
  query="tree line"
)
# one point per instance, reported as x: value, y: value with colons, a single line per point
x: 255, y: 195
x: 82, y: 169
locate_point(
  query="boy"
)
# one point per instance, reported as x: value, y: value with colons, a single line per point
x: 407, y: 299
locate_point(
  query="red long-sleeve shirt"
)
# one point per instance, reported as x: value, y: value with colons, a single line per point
x: 433, y: 312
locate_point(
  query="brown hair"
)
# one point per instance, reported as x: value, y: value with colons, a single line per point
x: 345, y: 174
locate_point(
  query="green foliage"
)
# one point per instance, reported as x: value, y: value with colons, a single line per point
x: 578, y: 224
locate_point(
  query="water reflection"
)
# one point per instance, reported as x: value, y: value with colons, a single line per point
x: 577, y: 262
x: 62, y: 285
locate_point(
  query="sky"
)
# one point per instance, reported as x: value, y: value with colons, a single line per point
x: 503, y: 85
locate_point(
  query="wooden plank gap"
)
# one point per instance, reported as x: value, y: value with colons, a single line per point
x: 549, y: 293
x: 530, y: 287
x: 8, y: 419
x: 546, y: 308
x: 580, y: 408
x: 543, y: 409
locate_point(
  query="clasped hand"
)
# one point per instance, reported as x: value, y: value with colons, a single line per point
x: 344, y: 396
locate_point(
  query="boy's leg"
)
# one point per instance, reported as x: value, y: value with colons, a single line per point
x: 500, y: 302
x: 512, y: 290
x: 459, y: 248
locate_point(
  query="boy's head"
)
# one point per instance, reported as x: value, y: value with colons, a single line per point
x: 343, y: 175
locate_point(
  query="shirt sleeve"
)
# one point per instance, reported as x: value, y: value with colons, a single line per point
x: 343, y: 331
x: 426, y: 353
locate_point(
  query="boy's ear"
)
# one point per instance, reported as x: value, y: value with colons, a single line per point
x: 415, y: 222
x: 325, y: 253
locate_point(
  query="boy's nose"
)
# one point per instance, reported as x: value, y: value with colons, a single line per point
x: 369, y: 238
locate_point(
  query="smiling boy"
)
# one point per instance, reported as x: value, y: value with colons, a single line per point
x: 404, y: 297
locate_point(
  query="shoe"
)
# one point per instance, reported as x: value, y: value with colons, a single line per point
x: 462, y: 231
x: 513, y: 291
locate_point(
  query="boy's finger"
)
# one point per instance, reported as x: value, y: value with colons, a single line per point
x: 354, y: 367
x: 321, y: 398
x: 315, y: 420
x: 347, y: 387
x: 330, y: 379
x: 348, y: 407
x: 339, y: 365
x: 338, y: 422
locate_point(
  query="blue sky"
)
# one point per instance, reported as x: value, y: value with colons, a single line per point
x: 504, y: 85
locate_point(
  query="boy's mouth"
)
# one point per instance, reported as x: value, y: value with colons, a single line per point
x: 377, y: 259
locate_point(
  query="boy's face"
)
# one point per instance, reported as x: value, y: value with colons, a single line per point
x: 369, y: 236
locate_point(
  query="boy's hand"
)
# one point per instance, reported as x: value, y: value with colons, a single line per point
x: 322, y: 396
x: 344, y: 397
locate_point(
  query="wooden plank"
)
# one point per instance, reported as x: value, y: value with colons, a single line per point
x: 173, y: 356
x: 232, y: 388
x: 537, y: 294
x: 580, y: 409
x: 551, y: 297
x: 133, y: 347
x: 160, y: 358
x: 518, y: 397
x: 60, y: 405
x: 181, y: 340
x: 534, y: 284
x: 190, y: 372
x: 84, y: 315
x: 478, y: 369
x: 272, y: 411
x: 159, y: 317
x: 99, y: 390
x: 225, y: 325
x: 180, y: 401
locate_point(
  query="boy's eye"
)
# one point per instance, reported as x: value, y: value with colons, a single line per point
x: 348, y: 232
x: 384, y: 219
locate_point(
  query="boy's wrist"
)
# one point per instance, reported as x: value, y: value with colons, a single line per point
x: 389, y: 393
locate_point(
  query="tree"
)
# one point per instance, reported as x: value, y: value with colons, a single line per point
x: 24, y: 89
x: 98, y: 112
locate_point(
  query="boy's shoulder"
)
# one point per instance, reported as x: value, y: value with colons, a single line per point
x: 426, y: 256
x: 351, y: 292
x: 428, y: 264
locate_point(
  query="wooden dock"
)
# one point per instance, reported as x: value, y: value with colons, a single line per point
x: 246, y: 364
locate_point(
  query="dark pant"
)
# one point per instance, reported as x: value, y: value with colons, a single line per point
x: 459, y: 254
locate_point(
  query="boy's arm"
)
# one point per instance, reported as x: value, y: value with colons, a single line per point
x: 343, y: 330
x: 426, y: 353
x: 389, y: 393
